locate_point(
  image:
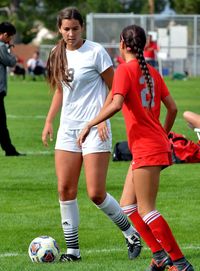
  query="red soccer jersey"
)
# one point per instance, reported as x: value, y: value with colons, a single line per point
x: 146, y: 136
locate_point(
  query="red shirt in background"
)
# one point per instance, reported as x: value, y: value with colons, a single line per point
x: 150, y: 50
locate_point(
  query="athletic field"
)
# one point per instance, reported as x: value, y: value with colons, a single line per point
x: 29, y: 203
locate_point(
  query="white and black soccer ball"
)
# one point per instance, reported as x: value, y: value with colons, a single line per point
x: 43, y: 249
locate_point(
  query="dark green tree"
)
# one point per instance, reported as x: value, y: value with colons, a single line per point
x: 186, y: 7
x: 23, y: 14
x: 50, y: 9
x: 26, y: 15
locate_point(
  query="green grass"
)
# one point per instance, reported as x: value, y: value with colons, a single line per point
x: 29, y: 203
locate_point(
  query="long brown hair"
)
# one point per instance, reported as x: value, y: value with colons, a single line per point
x: 134, y: 38
x: 57, y: 72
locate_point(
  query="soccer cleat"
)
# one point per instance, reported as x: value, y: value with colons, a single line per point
x: 69, y: 258
x: 165, y: 264
x: 188, y: 267
x: 134, y: 246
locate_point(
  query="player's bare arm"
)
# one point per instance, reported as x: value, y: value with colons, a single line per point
x: 54, y: 108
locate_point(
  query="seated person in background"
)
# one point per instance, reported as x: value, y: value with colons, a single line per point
x: 180, y: 76
x: 193, y: 119
x: 150, y: 51
x: 19, y: 68
x: 36, y: 65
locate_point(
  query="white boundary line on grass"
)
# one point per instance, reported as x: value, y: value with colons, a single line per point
x: 25, y: 117
x: 39, y: 117
x: 90, y: 251
x: 43, y: 117
x: 39, y: 152
x: 120, y: 249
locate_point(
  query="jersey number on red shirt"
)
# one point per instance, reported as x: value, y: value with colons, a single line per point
x: 146, y: 95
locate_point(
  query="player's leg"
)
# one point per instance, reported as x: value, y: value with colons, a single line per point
x: 68, y: 167
x: 128, y: 203
x: 96, y: 165
x: 192, y: 119
x: 146, y: 181
x: 128, y: 196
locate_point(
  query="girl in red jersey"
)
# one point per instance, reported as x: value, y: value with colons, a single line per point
x: 138, y: 90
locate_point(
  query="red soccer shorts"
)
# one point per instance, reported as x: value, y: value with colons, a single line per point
x: 163, y: 159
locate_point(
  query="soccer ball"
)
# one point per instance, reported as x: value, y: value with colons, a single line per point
x: 43, y: 249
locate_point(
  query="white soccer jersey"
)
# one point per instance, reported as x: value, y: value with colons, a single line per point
x: 83, y: 101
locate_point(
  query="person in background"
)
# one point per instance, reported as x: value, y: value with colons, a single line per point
x: 193, y: 119
x: 81, y: 71
x: 36, y: 66
x: 150, y: 51
x: 19, y: 68
x: 138, y: 90
x: 7, y: 59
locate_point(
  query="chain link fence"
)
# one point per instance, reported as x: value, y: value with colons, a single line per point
x: 178, y: 37
x: 180, y: 47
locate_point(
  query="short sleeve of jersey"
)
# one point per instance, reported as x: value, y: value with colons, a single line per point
x: 121, y: 81
x: 102, y: 59
x: 164, y: 90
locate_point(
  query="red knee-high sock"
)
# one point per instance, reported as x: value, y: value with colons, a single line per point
x: 142, y: 228
x: 163, y: 234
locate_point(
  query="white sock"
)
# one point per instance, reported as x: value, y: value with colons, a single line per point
x: 113, y: 210
x: 70, y: 222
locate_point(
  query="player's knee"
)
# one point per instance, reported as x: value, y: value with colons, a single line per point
x: 97, y: 198
x: 66, y: 192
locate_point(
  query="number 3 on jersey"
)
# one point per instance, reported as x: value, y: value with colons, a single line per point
x: 70, y: 73
x: 145, y: 94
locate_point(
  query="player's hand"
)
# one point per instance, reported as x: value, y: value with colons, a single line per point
x: 47, y: 133
x: 82, y: 136
x: 103, y: 131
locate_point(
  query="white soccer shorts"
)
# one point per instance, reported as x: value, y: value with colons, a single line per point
x: 67, y: 141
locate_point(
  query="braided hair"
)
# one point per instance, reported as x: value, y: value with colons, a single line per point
x: 135, y: 39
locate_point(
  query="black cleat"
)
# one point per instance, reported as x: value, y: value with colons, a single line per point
x: 134, y: 246
x: 188, y: 267
x: 165, y: 264
x: 69, y: 258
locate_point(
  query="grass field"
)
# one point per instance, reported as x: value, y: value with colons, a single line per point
x: 29, y: 203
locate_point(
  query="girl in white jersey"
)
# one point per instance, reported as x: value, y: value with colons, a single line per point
x: 81, y: 71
